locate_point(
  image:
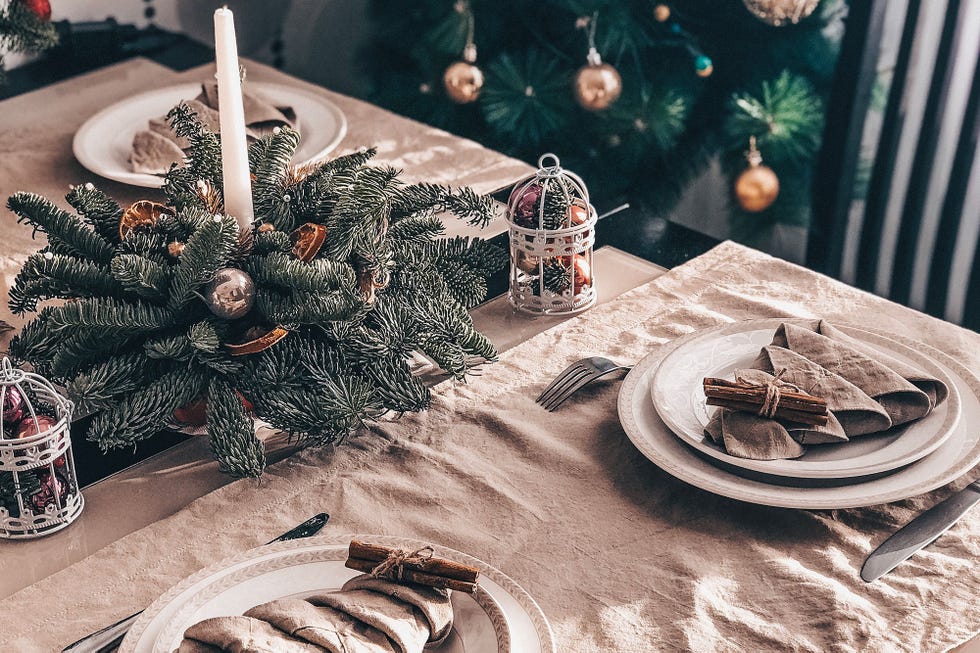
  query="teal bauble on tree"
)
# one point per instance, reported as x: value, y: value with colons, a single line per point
x: 703, y: 66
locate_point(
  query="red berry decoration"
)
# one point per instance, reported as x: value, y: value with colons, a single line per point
x: 51, y: 486
x: 526, y: 206
x: 30, y: 426
x: 13, y: 406
x: 40, y: 8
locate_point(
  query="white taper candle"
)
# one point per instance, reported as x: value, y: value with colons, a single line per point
x: 234, y: 149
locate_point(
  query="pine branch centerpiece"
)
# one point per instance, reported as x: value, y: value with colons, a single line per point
x: 307, y: 319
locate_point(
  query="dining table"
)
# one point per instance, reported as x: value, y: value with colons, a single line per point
x: 619, y: 553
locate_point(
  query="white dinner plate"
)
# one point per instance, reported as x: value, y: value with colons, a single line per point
x: 500, y: 618
x: 956, y: 456
x: 103, y: 143
x: 678, y: 395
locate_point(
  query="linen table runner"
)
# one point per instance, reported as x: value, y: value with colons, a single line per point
x: 620, y: 555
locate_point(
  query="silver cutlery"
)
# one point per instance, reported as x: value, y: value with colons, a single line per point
x: 575, y: 377
x: 919, y: 532
x: 108, y: 638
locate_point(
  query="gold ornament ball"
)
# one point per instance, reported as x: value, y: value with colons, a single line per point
x: 230, y: 294
x: 661, y: 13
x: 597, y: 86
x: 705, y: 72
x: 780, y: 12
x: 463, y: 82
x: 757, y: 188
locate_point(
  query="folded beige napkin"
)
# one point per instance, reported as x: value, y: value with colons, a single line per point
x: 368, y: 615
x: 331, y: 629
x: 243, y: 635
x: 866, y: 392
x: 155, y: 149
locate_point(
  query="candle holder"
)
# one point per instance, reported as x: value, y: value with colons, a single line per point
x: 552, y: 233
x: 38, y: 487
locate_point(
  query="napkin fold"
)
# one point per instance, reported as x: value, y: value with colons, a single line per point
x: 156, y: 148
x: 866, y: 391
x: 368, y: 615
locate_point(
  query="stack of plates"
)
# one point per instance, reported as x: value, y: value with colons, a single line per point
x: 663, y: 410
x: 499, y: 618
x: 103, y: 143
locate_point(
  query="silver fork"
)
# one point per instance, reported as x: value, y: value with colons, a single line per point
x: 574, y: 377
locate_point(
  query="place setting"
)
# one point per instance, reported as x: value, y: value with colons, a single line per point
x: 131, y: 142
x: 779, y: 462
x: 364, y: 592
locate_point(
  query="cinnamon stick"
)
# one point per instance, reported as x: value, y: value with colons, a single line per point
x: 788, y: 414
x: 732, y: 390
x: 435, y: 566
x: 415, y: 576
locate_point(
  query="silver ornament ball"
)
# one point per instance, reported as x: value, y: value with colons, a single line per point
x: 230, y: 294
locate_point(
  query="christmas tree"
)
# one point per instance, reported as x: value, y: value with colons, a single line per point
x: 25, y: 27
x: 668, y: 87
x: 308, y: 320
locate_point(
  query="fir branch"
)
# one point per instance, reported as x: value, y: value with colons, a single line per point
x: 95, y: 388
x: 417, y: 228
x: 141, y: 275
x: 143, y: 412
x: 204, y: 336
x: 36, y: 342
x: 272, y: 201
x: 231, y: 433
x: 58, y: 276
x: 81, y: 348
x: 527, y: 99
x: 115, y: 317
x: 22, y: 31
x: 60, y: 226
x: 314, y: 308
x: 204, y: 159
x: 316, y: 276
x: 98, y: 209
x: 463, y: 202
x: 272, y: 241
x: 785, y: 116
x: 150, y: 245
x: 205, y: 252
x: 169, y: 347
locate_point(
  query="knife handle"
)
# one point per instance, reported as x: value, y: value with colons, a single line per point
x: 106, y: 639
x: 919, y: 532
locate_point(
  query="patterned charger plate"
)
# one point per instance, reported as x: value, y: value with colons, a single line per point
x: 956, y: 456
x: 499, y: 618
x: 678, y: 396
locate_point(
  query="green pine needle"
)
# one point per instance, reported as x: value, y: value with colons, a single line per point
x: 527, y: 99
x: 785, y: 116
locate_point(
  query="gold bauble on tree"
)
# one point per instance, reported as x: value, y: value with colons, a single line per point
x: 758, y: 186
x: 661, y: 13
x: 597, y: 84
x: 780, y: 12
x: 463, y: 80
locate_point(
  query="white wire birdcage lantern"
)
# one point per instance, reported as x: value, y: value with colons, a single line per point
x: 552, y: 233
x: 39, y: 491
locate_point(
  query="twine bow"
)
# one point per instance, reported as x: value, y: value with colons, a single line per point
x: 773, y: 388
x: 397, y: 560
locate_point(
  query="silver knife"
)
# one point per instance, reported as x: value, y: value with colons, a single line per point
x: 110, y: 637
x: 919, y: 532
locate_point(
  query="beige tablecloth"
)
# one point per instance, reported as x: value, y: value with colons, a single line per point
x: 621, y: 556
